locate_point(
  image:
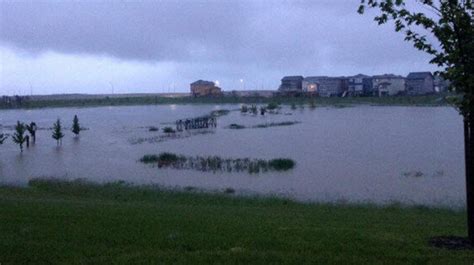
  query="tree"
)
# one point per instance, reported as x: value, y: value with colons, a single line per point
x: 76, y: 128
x: 451, y: 27
x: 19, y: 135
x: 32, y: 130
x: 57, y: 131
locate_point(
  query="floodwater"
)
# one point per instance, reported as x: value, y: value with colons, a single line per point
x: 411, y: 155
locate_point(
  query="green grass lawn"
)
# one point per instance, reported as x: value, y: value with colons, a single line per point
x: 53, y: 222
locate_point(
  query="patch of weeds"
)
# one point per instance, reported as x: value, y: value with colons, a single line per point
x: 275, y: 124
x: 149, y: 159
x: 153, y: 129
x: 218, y: 113
x: 272, y: 106
x: 218, y: 164
x: 167, y: 137
x: 168, y: 130
x: 415, y: 174
x: 281, y: 164
x: 236, y: 126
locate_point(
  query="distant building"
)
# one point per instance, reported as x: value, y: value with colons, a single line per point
x: 420, y: 83
x: 325, y: 86
x: 441, y: 84
x: 202, y: 88
x: 388, y: 85
x: 359, y: 85
x: 291, y: 84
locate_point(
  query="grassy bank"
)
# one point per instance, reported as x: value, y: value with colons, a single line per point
x: 81, y: 223
x: 428, y: 100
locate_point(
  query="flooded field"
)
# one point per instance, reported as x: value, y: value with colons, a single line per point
x: 412, y: 155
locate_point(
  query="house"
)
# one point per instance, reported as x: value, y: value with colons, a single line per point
x: 202, y: 88
x: 291, y: 84
x: 420, y: 83
x: 359, y: 85
x: 325, y: 86
x: 441, y: 84
x: 388, y: 85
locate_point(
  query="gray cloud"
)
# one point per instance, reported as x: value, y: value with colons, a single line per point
x: 228, y: 38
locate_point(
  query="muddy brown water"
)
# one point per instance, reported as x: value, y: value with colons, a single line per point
x: 411, y: 155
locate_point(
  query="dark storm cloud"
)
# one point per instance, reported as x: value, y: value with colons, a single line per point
x: 263, y: 32
x: 151, y: 31
x: 181, y: 41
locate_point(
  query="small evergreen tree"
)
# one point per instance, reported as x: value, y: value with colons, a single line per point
x: 19, y: 135
x: 76, y: 128
x: 57, y: 132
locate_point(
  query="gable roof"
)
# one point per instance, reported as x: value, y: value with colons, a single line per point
x: 419, y: 75
x: 292, y: 78
x: 359, y: 76
x: 388, y: 76
x: 203, y: 82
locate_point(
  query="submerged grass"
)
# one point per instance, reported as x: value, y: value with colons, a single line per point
x: 218, y: 164
x: 58, y: 222
x: 236, y: 126
x: 263, y: 125
x: 275, y: 124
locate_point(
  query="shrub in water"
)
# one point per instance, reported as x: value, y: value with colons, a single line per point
x: 272, y: 105
x: 168, y: 130
x: 166, y: 159
x: 153, y: 129
x: 149, y: 159
x: 254, y: 109
x: 281, y: 164
x: 236, y: 126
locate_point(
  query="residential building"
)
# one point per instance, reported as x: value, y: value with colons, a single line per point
x: 359, y: 85
x: 441, y: 84
x: 325, y: 86
x: 420, y: 83
x: 291, y: 84
x: 388, y: 85
x: 205, y: 88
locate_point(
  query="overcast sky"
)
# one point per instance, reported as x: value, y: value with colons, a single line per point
x: 161, y: 46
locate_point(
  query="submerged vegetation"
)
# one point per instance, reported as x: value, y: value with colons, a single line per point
x: 220, y: 112
x: 3, y: 137
x: 236, y: 126
x: 275, y: 124
x: 57, y: 132
x: 272, y: 106
x: 215, y: 163
x: 168, y: 136
x: 263, y: 125
x: 76, y: 128
x: 153, y: 129
x: 19, y: 137
x: 168, y: 130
